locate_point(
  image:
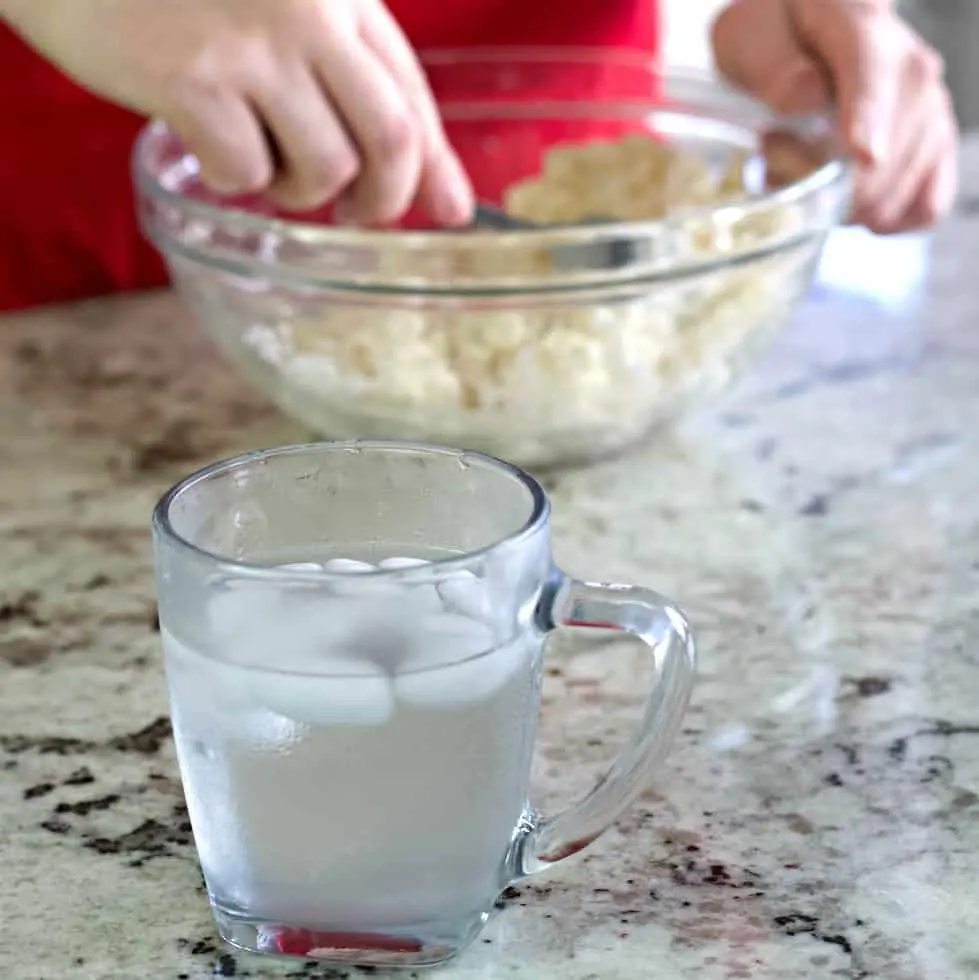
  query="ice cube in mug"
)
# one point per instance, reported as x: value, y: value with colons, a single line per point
x: 465, y: 594
x: 345, y: 691
x: 453, y: 663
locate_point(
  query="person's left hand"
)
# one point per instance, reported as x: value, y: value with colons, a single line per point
x: 893, y: 109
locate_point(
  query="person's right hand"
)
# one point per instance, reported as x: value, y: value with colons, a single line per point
x: 310, y: 101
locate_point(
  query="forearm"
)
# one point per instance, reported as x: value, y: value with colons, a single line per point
x: 33, y: 18
x: 24, y: 15
x: 14, y: 11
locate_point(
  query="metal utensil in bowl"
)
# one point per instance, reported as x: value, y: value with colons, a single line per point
x: 614, y: 254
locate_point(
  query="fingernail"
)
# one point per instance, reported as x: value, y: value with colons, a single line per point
x: 812, y: 89
x: 870, y: 137
x: 219, y: 184
x: 456, y: 204
x: 808, y: 89
x: 801, y: 88
x: 343, y: 212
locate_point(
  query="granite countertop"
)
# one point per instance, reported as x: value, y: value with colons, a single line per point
x: 819, y: 816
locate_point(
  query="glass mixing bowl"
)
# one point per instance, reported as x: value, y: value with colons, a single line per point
x: 546, y: 346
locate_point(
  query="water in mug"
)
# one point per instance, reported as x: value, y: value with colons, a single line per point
x: 362, y: 784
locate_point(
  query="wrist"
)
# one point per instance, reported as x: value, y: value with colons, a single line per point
x: 14, y: 12
x: 28, y: 16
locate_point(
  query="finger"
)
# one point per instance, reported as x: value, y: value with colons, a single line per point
x: 893, y: 189
x: 883, y: 191
x: 378, y: 118
x: 941, y: 192
x: 317, y: 160
x: 862, y: 46
x: 936, y: 195
x: 445, y: 191
x: 224, y: 134
x: 756, y: 47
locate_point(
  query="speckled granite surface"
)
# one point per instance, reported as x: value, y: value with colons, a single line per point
x: 820, y: 815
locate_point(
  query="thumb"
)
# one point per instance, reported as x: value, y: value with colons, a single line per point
x: 756, y: 47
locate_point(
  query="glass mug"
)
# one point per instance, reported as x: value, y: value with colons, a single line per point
x: 353, y: 637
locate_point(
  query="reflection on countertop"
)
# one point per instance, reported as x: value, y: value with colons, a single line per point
x: 890, y: 272
x: 818, y: 817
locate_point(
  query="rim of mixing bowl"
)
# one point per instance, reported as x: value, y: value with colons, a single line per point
x: 244, y: 242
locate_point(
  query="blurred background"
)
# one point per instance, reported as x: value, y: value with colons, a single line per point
x: 686, y: 31
x: 952, y: 26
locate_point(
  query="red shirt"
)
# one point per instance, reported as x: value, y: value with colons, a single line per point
x: 68, y: 227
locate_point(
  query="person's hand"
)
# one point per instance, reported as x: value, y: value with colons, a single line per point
x: 893, y: 109
x: 309, y: 100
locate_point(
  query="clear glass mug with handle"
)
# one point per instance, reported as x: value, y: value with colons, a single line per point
x: 353, y: 638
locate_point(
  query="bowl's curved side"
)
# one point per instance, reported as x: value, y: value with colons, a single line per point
x: 541, y: 385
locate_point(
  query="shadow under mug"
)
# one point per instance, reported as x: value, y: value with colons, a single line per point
x: 355, y: 736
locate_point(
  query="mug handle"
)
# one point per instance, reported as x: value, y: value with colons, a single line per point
x: 663, y: 628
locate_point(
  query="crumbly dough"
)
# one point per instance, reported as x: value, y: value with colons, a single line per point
x: 541, y: 380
